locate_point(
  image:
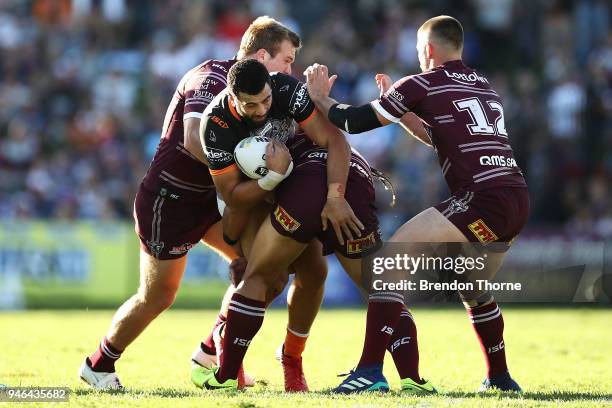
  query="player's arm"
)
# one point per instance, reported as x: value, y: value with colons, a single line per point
x: 200, y: 90
x: 358, y: 119
x: 410, y: 122
x: 191, y: 137
x: 336, y: 211
x: 352, y: 119
x: 413, y: 125
x: 238, y: 193
x: 338, y: 149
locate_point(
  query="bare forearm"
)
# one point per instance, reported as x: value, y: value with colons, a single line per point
x: 245, y: 196
x: 421, y: 138
x: 191, y: 139
x: 338, y: 160
x: 412, y: 124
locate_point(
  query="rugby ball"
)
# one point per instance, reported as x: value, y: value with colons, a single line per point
x: 250, y: 156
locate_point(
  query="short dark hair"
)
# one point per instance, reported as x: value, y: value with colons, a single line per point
x: 445, y: 28
x: 267, y: 33
x: 248, y: 76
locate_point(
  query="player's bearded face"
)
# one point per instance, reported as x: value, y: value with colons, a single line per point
x: 254, y: 109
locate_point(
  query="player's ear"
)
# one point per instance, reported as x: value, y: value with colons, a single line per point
x: 429, y: 50
x: 260, y: 55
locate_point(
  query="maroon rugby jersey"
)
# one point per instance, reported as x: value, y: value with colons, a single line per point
x: 464, y: 118
x: 173, y: 166
x: 305, y: 152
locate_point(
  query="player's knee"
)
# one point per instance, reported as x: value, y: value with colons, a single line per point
x: 312, y: 277
x: 157, y: 300
x: 276, y: 289
x: 258, y: 282
x: 280, y: 283
x: 313, y: 281
x: 471, y: 301
x: 166, y: 300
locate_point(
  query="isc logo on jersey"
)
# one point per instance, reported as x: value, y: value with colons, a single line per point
x: 219, y: 122
x: 497, y: 161
x: 221, y: 67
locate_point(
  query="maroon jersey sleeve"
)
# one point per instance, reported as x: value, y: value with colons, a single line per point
x: 400, y: 98
x: 202, y: 87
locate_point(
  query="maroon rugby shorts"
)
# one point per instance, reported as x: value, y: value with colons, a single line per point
x: 494, y: 215
x: 170, y: 222
x: 301, y: 198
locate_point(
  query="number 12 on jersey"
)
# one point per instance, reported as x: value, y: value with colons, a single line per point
x: 480, y: 123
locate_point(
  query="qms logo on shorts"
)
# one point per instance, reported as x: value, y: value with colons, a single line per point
x: 482, y: 231
x: 357, y: 246
x: 288, y: 222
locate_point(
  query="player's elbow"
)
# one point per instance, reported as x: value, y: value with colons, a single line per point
x: 236, y: 205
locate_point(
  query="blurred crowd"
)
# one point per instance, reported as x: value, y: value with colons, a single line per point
x: 84, y: 85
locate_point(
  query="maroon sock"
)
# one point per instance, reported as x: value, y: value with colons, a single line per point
x: 384, y: 310
x: 103, y: 359
x: 404, y: 347
x: 208, y: 345
x: 244, y: 318
x: 489, y: 326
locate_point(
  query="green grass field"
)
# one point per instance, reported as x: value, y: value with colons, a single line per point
x: 560, y: 356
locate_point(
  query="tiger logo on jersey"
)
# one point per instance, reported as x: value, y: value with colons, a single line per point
x: 278, y: 129
x: 289, y: 223
x: 484, y: 234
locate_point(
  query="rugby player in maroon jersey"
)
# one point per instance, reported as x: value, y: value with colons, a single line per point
x: 463, y: 119
x: 176, y: 207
